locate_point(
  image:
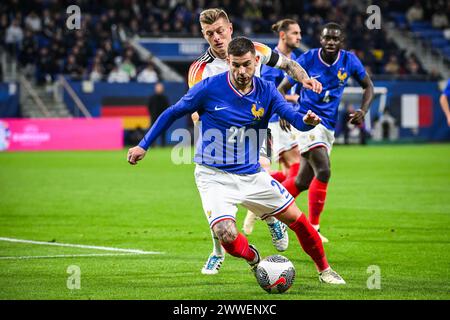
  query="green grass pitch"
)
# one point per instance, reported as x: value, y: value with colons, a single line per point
x: 387, y: 206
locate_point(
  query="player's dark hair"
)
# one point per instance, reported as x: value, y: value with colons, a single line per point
x: 283, y: 25
x: 240, y: 46
x: 332, y: 25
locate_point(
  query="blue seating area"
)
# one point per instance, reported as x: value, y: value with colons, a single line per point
x: 425, y: 31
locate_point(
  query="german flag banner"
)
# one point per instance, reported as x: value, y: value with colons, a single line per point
x: 132, y: 110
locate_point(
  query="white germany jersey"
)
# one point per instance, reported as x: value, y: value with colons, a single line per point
x: 208, y: 65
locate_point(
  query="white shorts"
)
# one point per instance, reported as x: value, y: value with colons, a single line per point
x: 319, y: 136
x: 221, y: 192
x: 282, y: 140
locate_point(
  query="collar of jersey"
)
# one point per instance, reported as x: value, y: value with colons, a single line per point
x: 328, y: 65
x: 236, y: 90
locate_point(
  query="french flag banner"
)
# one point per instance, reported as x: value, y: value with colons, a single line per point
x: 416, y: 111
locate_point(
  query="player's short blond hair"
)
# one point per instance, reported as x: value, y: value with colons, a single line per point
x: 209, y: 16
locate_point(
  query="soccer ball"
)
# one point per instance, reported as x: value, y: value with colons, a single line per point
x: 275, y: 274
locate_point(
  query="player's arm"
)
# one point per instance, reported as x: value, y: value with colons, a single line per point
x: 284, y: 86
x: 443, y: 101
x: 368, y: 92
x: 296, y: 71
x: 291, y: 67
x: 187, y: 104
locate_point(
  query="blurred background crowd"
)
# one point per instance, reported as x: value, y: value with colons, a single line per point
x: 34, y: 32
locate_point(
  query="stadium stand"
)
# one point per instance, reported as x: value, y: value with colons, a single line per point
x: 36, y: 36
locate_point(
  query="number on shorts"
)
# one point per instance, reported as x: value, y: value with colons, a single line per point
x: 282, y: 190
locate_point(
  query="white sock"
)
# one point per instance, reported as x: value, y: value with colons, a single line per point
x: 217, y: 247
x: 270, y: 220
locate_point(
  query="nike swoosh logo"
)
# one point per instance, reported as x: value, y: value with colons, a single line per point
x: 219, y: 108
x: 315, y: 77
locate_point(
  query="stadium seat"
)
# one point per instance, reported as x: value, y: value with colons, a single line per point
x: 439, y: 43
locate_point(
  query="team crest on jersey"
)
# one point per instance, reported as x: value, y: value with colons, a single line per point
x: 312, y: 137
x: 342, y: 75
x: 209, y: 213
x: 258, y: 113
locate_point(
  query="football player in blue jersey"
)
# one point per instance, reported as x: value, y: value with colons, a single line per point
x: 234, y: 109
x: 332, y: 66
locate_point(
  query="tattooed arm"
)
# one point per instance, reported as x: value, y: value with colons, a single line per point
x: 295, y: 70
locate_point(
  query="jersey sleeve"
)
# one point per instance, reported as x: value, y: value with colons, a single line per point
x: 447, y: 89
x: 267, y: 55
x: 195, y: 74
x: 286, y: 111
x: 357, y: 69
x: 189, y: 103
x: 271, y: 74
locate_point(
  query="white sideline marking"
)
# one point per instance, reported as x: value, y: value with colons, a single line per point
x: 71, y: 256
x: 82, y: 246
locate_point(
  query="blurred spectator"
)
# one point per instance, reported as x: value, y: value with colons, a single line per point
x: 392, y: 67
x: 14, y: 37
x: 72, y: 68
x: 156, y: 105
x: 148, y: 74
x: 46, y: 66
x: 439, y: 20
x: 96, y: 73
x: 33, y: 22
x: 118, y: 75
x: 413, y: 66
x: 128, y: 67
x: 415, y: 13
x: 29, y: 49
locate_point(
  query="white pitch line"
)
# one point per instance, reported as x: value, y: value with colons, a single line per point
x: 82, y: 246
x: 71, y: 256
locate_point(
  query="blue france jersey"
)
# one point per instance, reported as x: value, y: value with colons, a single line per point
x: 447, y: 89
x: 233, y: 125
x: 333, y: 78
x: 276, y: 76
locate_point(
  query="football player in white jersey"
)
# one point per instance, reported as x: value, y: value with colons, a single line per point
x: 217, y: 31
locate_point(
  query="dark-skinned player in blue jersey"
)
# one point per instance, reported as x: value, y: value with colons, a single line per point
x: 332, y: 66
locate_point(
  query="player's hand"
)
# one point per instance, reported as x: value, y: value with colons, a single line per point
x: 312, y: 84
x: 135, y: 154
x: 195, y: 118
x: 311, y: 118
x: 285, y: 125
x: 358, y: 117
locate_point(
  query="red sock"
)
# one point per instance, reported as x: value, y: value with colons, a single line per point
x: 316, y: 199
x: 278, y: 175
x: 310, y: 241
x: 290, y: 186
x: 239, y: 248
x: 293, y: 170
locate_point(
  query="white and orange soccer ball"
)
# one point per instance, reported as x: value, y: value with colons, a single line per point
x: 275, y: 274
